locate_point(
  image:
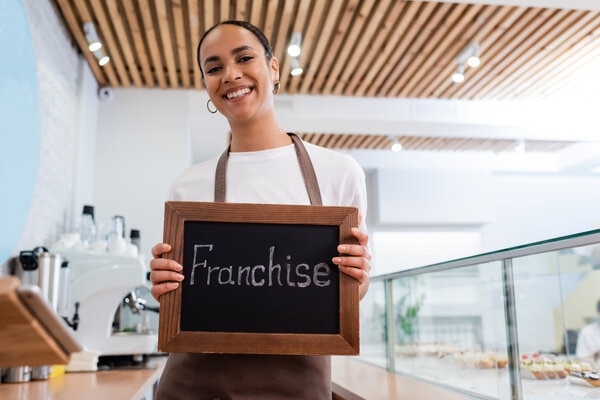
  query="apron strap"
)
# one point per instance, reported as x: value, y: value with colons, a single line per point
x: 306, y: 167
x: 221, y: 177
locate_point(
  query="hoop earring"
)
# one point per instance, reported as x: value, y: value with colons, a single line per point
x: 276, y: 87
x: 208, y: 107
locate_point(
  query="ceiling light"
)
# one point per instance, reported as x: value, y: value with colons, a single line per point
x: 91, y: 37
x: 468, y: 56
x: 294, y: 49
x: 459, y: 75
x: 396, y: 146
x: 520, y: 147
x: 296, y: 68
x: 473, y: 59
x: 103, y: 60
x: 94, y: 44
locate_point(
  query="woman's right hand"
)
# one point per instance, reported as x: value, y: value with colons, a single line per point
x: 165, y: 274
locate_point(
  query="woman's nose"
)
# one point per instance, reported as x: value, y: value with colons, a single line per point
x: 231, y: 73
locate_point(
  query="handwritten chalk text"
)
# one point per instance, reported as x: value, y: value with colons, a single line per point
x: 300, y: 275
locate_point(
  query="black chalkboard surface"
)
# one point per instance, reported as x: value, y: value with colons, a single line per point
x: 259, y: 279
x: 270, y: 281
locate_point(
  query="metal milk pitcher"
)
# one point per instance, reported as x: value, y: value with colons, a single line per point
x: 49, y: 277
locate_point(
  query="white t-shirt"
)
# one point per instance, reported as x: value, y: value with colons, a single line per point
x: 588, y: 341
x: 273, y: 176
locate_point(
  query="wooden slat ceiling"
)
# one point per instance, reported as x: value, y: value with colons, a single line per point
x: 428, y: 143
x: 365, y: 48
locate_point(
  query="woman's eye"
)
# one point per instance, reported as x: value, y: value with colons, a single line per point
x: 245, y: 59
x: 212, y: 70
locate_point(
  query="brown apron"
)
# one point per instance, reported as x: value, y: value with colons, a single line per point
x: 249, y: 376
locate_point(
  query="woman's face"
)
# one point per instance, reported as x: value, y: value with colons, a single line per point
x: 237, y: 75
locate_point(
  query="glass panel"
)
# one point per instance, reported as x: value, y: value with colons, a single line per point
x: 449, y: 324
x: 373, y: 336
x: 556, y: 296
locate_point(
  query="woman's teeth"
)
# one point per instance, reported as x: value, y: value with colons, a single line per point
x: 238, y: 93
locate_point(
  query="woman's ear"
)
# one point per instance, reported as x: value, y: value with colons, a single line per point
x: 274, y: 69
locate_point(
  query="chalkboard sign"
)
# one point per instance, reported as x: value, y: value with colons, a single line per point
x: 259, y: 279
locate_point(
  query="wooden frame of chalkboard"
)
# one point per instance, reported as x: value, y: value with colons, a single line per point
x: 259, y: 280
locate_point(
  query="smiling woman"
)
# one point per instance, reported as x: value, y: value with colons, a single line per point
x: 19, y: 115
x: 264, y: 164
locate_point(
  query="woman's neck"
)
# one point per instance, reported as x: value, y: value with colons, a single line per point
x: 255, y: 136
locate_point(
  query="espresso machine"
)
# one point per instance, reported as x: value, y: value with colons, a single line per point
x: 102, y: 287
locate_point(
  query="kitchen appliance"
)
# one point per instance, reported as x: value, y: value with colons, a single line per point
x: 98, y: 285
x: 17, y: 374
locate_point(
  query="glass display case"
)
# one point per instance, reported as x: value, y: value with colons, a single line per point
x: 500, y: 325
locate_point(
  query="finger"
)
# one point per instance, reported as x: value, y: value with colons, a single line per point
x: 160, y: 289
x: 160, y: 249
x: 355, y: 250
x: 160, y: 276
x: 363, y: 237
x: 354, y: 256
x: 360, y: 275
x: 360, y: 263
x: 165, y: 264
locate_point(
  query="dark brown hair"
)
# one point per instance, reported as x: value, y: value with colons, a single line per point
x: 243, y: 24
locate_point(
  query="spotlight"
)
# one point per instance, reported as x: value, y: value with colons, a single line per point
x: 91, y: 37
x: 94, y: 44
x: 473, y: 59
x: 469, y: 56
x: 294, y: 49
x: 459, y: 75
x: 103, y: 61
x: 396, y: 146
x: 296, y: 68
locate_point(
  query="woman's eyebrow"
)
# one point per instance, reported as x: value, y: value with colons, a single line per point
x: 240, y: 49
x: 234, y: 51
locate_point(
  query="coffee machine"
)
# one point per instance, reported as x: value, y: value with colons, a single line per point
x: 101, y: 286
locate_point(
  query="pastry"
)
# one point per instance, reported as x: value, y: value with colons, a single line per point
x: 548, y: 368
x: 537, y: 369
x: 561, y: 373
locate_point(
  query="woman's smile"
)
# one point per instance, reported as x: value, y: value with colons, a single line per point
x: 238, y: 93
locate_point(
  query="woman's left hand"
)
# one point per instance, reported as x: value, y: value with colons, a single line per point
x: 356, y: 260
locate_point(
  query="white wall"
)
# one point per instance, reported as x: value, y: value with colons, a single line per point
x: 534, y: 207
x: 142, y: 144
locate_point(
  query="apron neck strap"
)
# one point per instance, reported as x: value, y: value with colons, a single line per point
x: 306, y: 167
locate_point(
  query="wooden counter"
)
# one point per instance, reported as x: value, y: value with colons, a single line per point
x: 118, y: 384
x: 353, y: 379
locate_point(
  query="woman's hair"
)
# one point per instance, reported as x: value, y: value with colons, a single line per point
x: 246, y: 25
